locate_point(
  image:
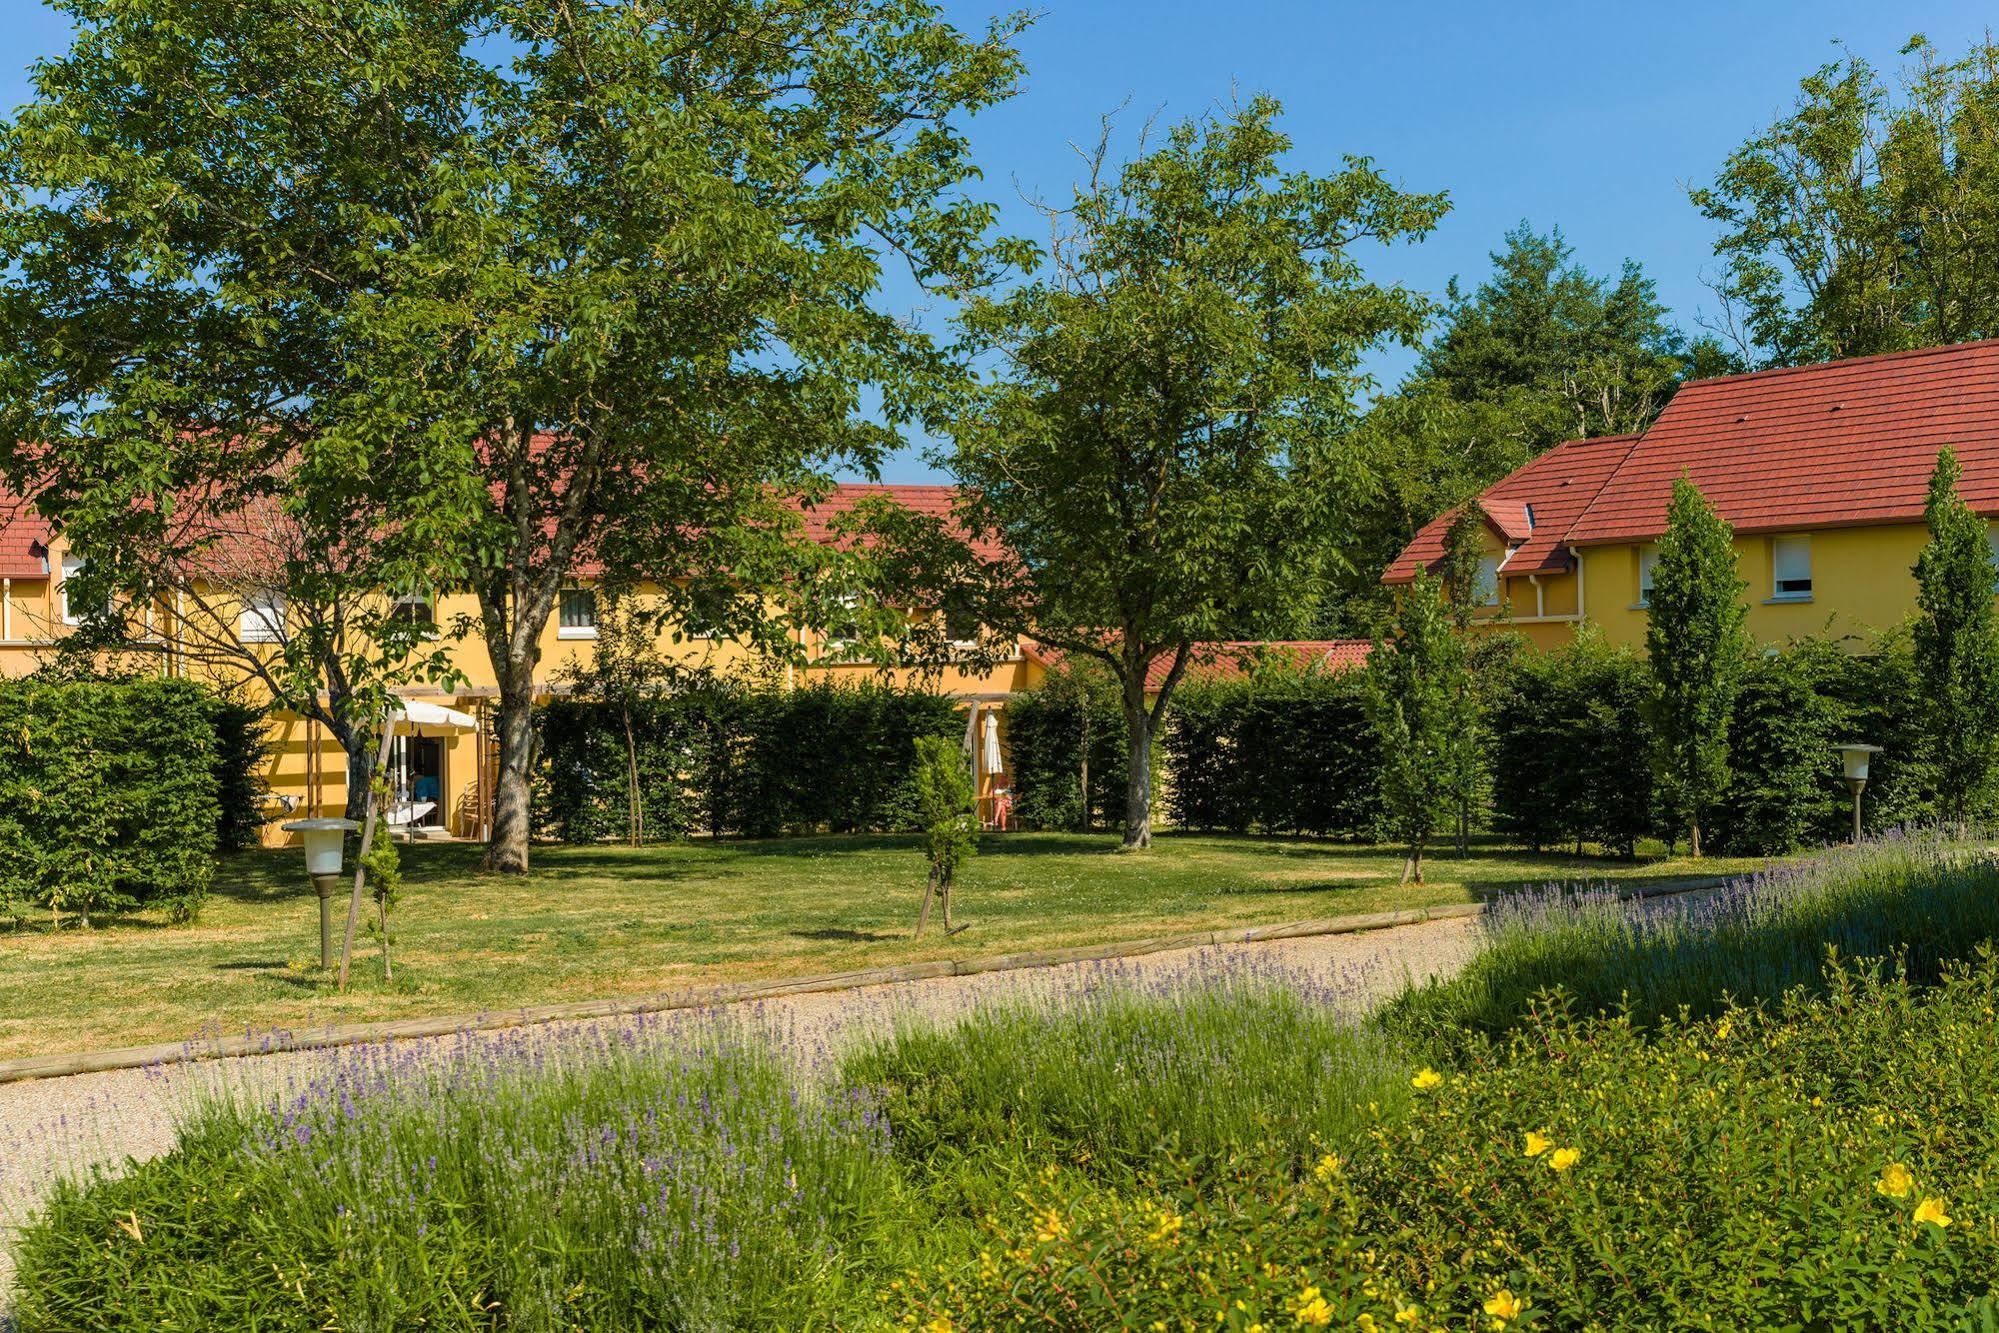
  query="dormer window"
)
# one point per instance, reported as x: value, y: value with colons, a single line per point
x: 1485, y: 591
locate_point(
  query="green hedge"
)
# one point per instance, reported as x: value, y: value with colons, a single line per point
x: 109, y: 798
x: 725, y: 760
x: 1050, y: 732
x: 1284, y: 753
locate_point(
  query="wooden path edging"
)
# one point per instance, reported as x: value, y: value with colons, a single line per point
x: 705, y: 997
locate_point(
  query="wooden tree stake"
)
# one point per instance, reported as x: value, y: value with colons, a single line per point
x: 367, y: 841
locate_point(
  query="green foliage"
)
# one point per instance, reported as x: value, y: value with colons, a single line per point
x: 1069, y: 727
x: 1784, y: 784
x: 945, y: 805
x: 1570, y: 729
x: 108, y: 795
x: 1282, y: 751
x: 737, y: 760
x: 1956, y: 641
x: 1163, y: 456
x: 1695, y: 645
x: 1415, y: 699
x: 1864, y: 221
x: 243, y: 750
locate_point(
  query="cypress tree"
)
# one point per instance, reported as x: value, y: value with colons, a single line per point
x: 1697, y: 646
x: 1956, y: 645
x: 1415, y: 683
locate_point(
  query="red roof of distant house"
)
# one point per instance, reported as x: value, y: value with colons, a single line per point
x: 1233, y: 659
x: 1532, y: 508
x: 1844, y: 443
x: 24, y: 540
x: 938, y: 502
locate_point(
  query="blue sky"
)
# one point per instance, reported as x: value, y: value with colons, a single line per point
x: 1594, y: 117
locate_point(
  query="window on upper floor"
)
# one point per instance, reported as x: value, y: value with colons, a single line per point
x: 74, y: 613
x: 415, y: 609
x: 1791, y: 569
x: 1648, y: 560
x: 262, y: 619
x: 577, y: 618
x: 1485, y: 589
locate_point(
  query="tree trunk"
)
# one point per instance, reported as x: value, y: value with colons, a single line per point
x: 1694, y: 841
x: 1138, y: 781
x: 634, y: 814
x: 360, y: 772
x: 1412, y: 869
x: 508, y: 850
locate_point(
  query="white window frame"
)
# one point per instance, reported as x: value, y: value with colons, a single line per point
x: 1648, y: 561
x: 429, y: 603
x: 262, y: 619
x: 1797, y: 542
x: 577, y: 631
x: 72, y: 565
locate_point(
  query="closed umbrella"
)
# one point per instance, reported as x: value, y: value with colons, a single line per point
x: 992, y: 764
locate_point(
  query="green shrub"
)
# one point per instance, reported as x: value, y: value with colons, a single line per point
x: 108, y: 795
x: 1570, y: 740
x: 736, y: 760
x: 1279, y: 752
x: 1752, y: 1172
x: 1069, y: 754
x: 242, y: 758
x: 1758, y: 939
x: 1784, y: 783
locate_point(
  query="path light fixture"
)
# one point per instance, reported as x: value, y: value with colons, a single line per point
x: 325, y: 847
x: 1855, y: 756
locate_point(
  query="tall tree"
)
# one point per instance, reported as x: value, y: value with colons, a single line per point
x: 1956, y: 642
x: 1866, y: 220
x: 555, y: 286
x: 1465, y: 750
x: 1415, y: 691
x: 1161, y: 450
x: 1696, y: 645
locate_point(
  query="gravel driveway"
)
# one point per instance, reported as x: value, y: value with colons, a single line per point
x: 61, y: 1126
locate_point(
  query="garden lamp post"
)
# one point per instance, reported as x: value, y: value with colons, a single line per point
x: 1855, y: 757
x: 325, y: 845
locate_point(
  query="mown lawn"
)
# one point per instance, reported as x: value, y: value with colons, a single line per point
x: 601, y: 922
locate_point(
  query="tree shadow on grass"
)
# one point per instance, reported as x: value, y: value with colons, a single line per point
x: 832, y: 934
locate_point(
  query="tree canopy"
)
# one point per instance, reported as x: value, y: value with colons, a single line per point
x: 1162, y: 447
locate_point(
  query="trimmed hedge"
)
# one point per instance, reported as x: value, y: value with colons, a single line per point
x: 1280, y: 753
x: 109, y: 798
x: 1049, y: 730
x: 726, y: 760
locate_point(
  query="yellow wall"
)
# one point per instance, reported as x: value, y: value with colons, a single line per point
x: 1862, y: 583
x: 1544, y: 615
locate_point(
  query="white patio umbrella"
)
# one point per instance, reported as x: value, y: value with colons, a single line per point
x: 992, y: 746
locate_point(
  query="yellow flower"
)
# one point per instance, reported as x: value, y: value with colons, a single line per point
x: 1723, y: 1028
x: 1167, y: 1228
x: 1895, y: 1182
x: 1365, y: 1323
x: 1052, y: 1227
x: 1408, y: 1314
x: 1503, y: 1304
x: 1426, y: 1079
x: 1931, y: 1211
x: 1564, y: 1158
x: 1537, y: 1143
x: 941, y: 1324
x: 1328, y: 1167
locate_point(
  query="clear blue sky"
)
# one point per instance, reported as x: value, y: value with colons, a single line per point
x: 1591, y: 116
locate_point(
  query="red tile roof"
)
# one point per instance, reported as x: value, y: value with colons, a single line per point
x: 24, y: 540
x: 1845, y: 443
x: 1531, y: 508
x: 1232, y: 659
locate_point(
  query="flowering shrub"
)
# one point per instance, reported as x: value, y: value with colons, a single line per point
x: 1834, y: 1163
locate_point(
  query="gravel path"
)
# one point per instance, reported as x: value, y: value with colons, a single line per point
x: 50, y: 1128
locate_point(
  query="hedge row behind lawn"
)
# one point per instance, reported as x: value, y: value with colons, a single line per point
x: 109, y: 796
x: 724, y: 760
x: 1287, y: 752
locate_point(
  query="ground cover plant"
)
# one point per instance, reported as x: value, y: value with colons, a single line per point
x: 1228, y: 1148
x: 595, y: 922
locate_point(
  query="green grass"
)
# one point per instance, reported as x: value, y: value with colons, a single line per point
x: 599, y: 922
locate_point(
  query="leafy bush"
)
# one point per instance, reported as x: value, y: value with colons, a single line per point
x: 1069, y: 752
x: 1570, y: 739
x: 1280, y: 752
x: 108, y: 794
x: 242, y: 758
x: 1784, y: 783
x: 738, y: 760
x: 1833, y: 1164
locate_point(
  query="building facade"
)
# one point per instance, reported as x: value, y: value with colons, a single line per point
x: 1822, y: 472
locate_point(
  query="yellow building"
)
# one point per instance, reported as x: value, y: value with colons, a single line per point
x: 444, y: 756
x: 1821, y: 470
